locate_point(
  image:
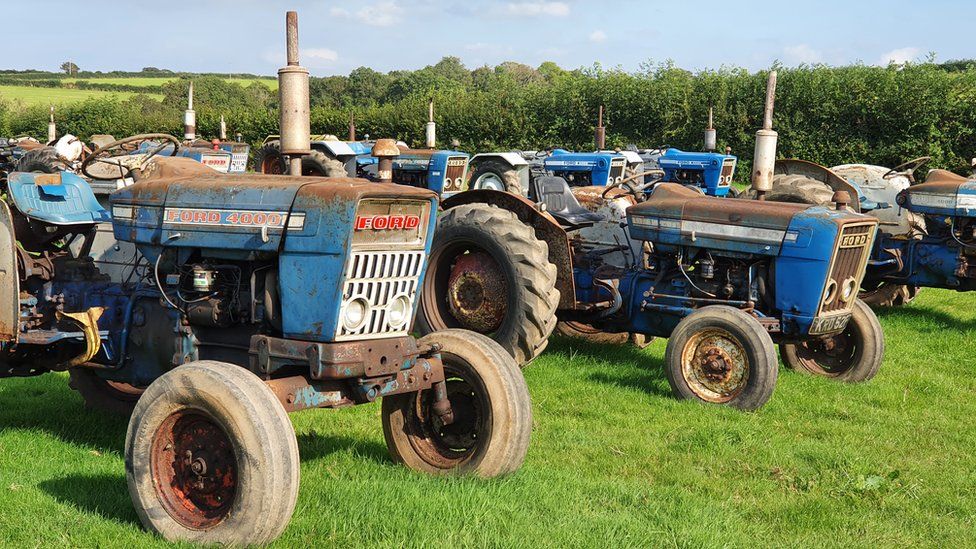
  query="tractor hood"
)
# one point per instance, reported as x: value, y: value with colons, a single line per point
x: 239, y: 215
x: 943, y: 193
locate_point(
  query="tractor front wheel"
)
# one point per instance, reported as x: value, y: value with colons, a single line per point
x: 211, y: 457
x: 722, y: 355
x: 490, y: 274
x: 853, y: 355
x: 492, y: 412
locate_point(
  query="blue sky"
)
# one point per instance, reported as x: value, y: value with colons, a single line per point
x: 248, y: 35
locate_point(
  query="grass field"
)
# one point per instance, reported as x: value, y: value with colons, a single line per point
x: 158, y: 81
x: 30, y: 95
x: 614, y: 461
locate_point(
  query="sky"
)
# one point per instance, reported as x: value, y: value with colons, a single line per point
x: 247, y: 36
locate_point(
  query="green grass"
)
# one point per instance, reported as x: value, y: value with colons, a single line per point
x: 158, y: 81
x: 30, y: 95
x: 614, y: 461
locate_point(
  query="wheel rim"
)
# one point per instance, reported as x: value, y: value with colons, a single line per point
x: 490, y: 181
x: 715, y: 366
x: 450, y: 446
x: 831, y: 356
x: 194, y: 469
x: 475, y: 287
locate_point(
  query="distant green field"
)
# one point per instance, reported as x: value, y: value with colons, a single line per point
x: 150, y: 81
x: 30, y: 95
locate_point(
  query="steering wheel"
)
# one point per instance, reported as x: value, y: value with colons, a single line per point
x: 630, y: 185
x: 907, y: 168
x: 127, y: 163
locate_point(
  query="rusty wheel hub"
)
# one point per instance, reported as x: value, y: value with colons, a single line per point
x: 715, y: 366
x: 449, y: 446
x: 830, y: 356
x: 194, y: 469
x: 477, y: 292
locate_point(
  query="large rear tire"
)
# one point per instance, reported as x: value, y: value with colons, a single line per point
x: 492, y: 412
x: 269, y: 160
x: 317, y: 163
x: 853, y: 356
x: 803, y: 190
x: 497, y: 176
x: 721, y: 355
x: 211, y: 457
x: 44, y: 160
x: 490, y: 274
x: 100, y: 394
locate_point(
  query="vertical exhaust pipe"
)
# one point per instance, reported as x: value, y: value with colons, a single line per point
x: 600, y: 133
x: 190, y: 117
x: 431, y: 126
x: 711, y: 136
x: 352, y: 126
x: 223, y: 129
x: 293, y: 98
x: 764, y: 161
x: 385, y: 151
x: 52, y: 128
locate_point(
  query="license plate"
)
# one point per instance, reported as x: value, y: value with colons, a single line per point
x: 829, y: 324
x: 238, y: 163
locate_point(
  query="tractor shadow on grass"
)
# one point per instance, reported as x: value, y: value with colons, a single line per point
x: 313, y: 445
x: 618, y: 365
x: 935, y: 316
x: 45, y: 403
x: 103, y: 495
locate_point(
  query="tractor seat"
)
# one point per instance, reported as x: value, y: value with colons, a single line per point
x: 60, y: 198
x: 560, y: 202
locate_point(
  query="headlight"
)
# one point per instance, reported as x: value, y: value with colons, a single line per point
x: 848, y: 290
x: 398, y: 311
x: 831, y: 292
x: 357, y: 311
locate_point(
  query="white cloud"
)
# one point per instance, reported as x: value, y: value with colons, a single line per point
x: 598, y: 36
x: 381, y: 14
x: 802, y: 53
x: 533, y: 9
x: 320, y: 54
x: 900, y: 56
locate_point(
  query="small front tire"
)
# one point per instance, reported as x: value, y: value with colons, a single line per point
x: 722, y: 355
x: 853, y: 355
x: 211, y: 457
x: 489, y: 436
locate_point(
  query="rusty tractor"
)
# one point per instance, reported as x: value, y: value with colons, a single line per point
x: 252, y: 296
x: 725, y: 279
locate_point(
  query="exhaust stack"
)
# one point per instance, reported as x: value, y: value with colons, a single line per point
x: 52, y: 128
x: 764, y: 161
x: 223, y: 128
x: 711, y: 136
x: 352, y: 126
x: 431, y: 126
x: 190, y: 117
x: 600, y: 133
x: 294, y: 122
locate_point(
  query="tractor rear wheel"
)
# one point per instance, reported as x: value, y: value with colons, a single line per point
x: 491, y: 407
x: 853, y: 355
x: 44, y: 159
x: 211, y: 457
x: 496, y: 175
x: 803, y: 190
x: 269, y: 159
x: 722, y: 355
x: 103, y: 395
x: 490, y: 274
x: 317, y: 163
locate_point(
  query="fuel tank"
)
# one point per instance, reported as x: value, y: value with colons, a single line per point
x: 943, y: 193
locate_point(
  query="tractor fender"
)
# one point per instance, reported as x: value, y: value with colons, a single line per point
x: 546, y: 229
x: 514, y: 160
x: 812, y: 170
x: 9, y: 281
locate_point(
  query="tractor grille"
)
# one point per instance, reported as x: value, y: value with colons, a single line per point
x: 848, y: 264
x: 617, y: 167
x: 387, y: 283
x: 454, y: 177
x: 728, y: 171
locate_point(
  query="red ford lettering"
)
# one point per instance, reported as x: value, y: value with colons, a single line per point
x: 387, y: 222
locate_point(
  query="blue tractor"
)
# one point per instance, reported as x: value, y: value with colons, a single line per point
x: 442, y: 171
x: 515, y: 172
x: 928, y: 230
x: 251, y: 296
